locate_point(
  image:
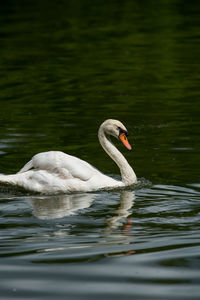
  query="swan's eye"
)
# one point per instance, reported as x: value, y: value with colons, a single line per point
x: 122, y: 131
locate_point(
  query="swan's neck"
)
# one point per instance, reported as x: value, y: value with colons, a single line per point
x: 127, y: 173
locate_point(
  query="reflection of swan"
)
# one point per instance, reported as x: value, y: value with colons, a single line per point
x: 55, y: 172
x: 59, y: 206
x: 52, y: 207
x: 126, y: 202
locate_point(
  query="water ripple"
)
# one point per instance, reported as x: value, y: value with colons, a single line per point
x: 134, y: 239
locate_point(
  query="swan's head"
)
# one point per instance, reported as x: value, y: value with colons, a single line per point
x: 116, y: 129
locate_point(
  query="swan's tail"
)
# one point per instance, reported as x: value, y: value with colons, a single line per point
x: 19, y: 179
x: 13, y: 182
x: 7, y: 179
x: 27, y: 167
x: 15, y: 178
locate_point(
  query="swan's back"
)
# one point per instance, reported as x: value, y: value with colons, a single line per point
x: 59, y: 162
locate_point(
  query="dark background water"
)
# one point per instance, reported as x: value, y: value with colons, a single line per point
x: 65, y: 67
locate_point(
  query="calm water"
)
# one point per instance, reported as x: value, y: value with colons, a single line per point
x: 66, y: 67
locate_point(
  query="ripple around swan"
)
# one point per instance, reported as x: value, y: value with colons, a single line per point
x: 143, y: 242
x: 65, y: 67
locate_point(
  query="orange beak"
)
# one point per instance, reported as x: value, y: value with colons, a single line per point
x: 124, y: 140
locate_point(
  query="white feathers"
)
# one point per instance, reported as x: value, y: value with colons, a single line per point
x: 56, y: 172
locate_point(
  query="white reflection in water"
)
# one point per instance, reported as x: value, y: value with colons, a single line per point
x: 124, y: 210
x: 65, y: 205
x: 59, y: 206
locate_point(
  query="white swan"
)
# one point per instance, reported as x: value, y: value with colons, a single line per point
x: 56, y: 172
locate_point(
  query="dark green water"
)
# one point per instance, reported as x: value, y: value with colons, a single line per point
x: 65, y: 67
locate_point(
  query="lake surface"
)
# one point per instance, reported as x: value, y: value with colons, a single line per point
x: 65, y: 68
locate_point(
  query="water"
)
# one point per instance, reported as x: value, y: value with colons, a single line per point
x: 65, y: 68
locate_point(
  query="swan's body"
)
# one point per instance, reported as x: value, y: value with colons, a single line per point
x: 56, y: 172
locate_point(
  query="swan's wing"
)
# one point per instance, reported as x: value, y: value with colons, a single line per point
x: 65, y: 165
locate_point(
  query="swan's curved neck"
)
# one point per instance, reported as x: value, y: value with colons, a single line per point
x: 127, y: 173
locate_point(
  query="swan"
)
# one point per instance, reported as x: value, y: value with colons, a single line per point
x: 55, y: 172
